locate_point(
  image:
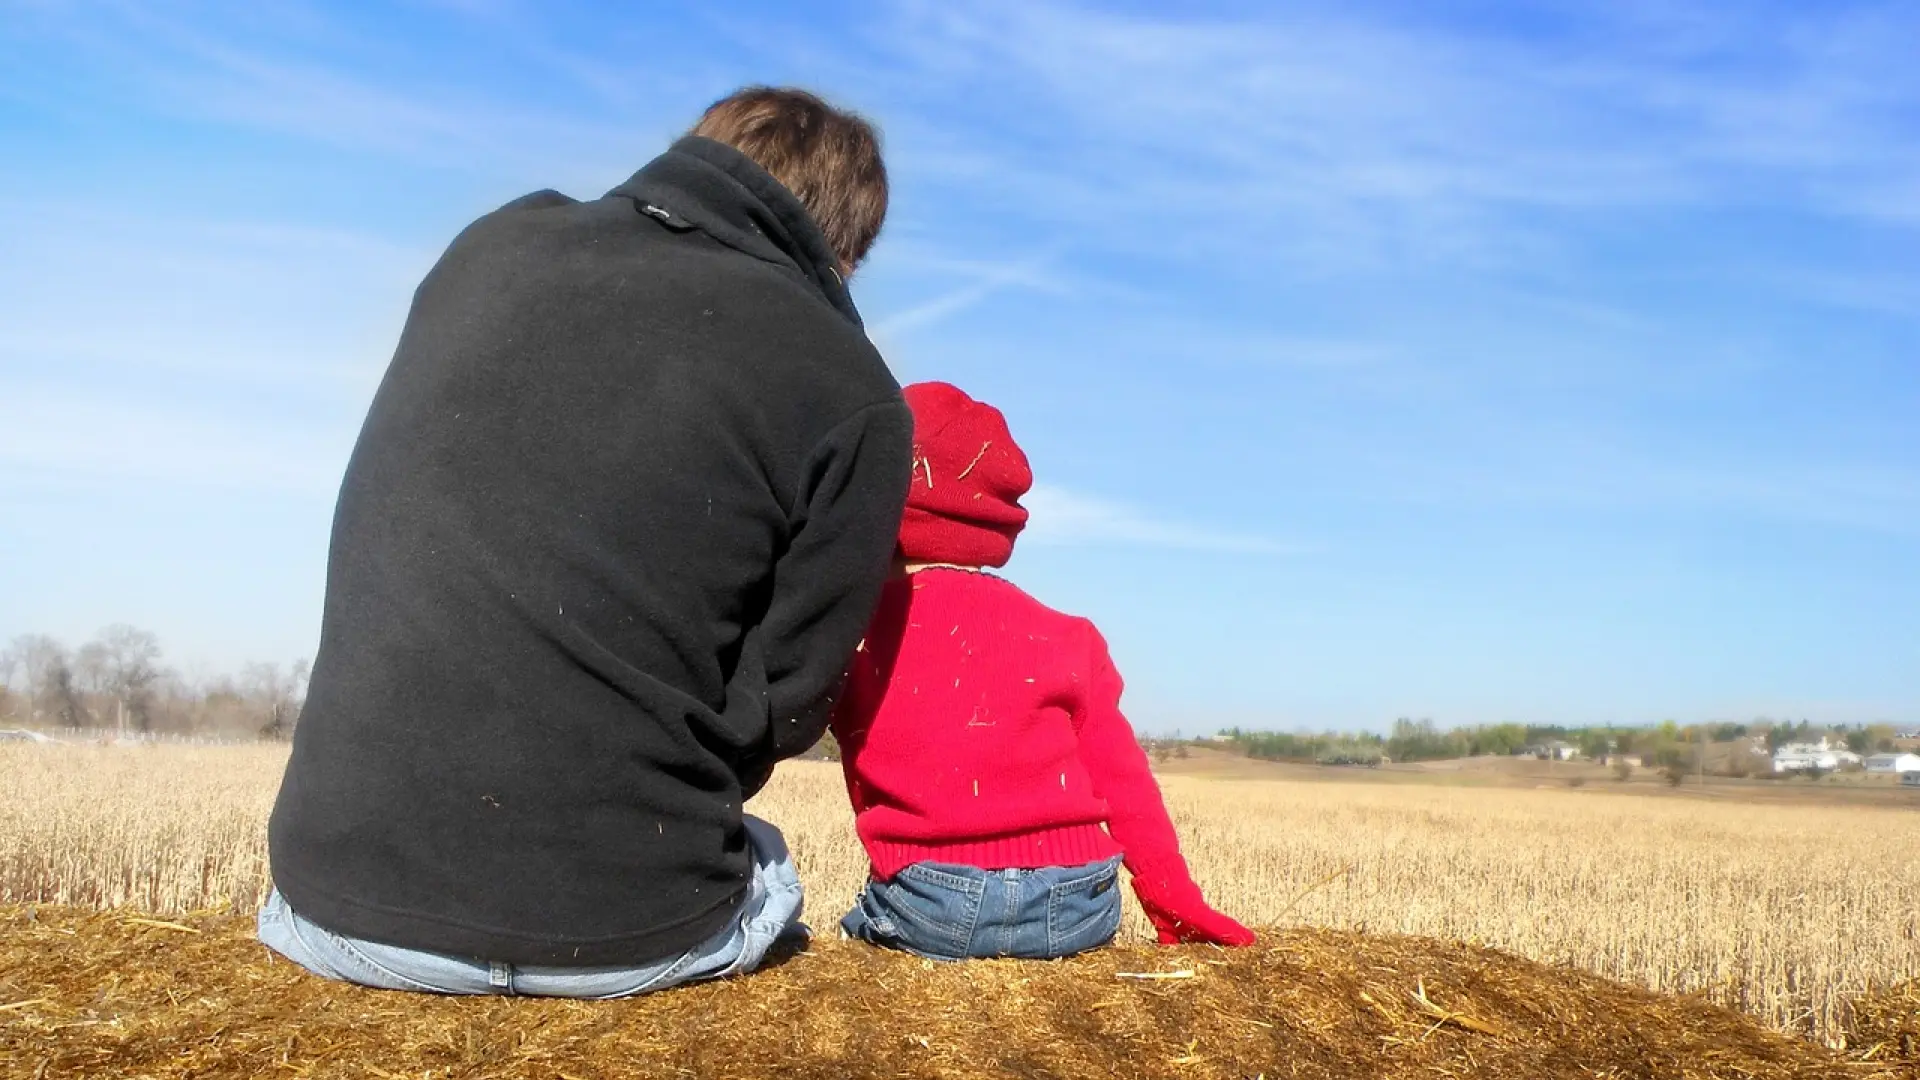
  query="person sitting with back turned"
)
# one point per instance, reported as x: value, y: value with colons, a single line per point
x: 617, y: 515
x: 982, y: 738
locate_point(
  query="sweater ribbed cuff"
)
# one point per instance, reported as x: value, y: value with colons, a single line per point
x: 1072, y: 845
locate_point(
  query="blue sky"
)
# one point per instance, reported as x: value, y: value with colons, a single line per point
x: 1476, y: 361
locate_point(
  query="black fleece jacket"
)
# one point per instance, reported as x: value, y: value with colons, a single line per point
x: 618, y: 515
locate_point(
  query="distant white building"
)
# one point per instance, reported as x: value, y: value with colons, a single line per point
x: 1824, y: 756
x: 1555, y: 751
x: 1901, y: 763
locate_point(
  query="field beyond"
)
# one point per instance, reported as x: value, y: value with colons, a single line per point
x: 1788, y: 913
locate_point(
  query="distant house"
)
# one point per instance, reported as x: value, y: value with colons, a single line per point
x: 1901, y: 763
x: 1823, y: 756
x: 1909, y: 733
x: 1555, y: 751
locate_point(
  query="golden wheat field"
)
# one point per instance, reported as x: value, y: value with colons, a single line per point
x: 1785, y: 912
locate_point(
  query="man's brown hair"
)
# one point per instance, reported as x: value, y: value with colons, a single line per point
x: 829, y: 159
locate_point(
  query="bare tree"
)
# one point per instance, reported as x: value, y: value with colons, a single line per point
x: 63, y: 697
x: 277, y: 694
x: 120, y: 664
x: 131, y: 667
x: 9, y: 663
x: 36, y: 657
x: 89, y: 668
x: 116, y: 679
x: 301, y: 672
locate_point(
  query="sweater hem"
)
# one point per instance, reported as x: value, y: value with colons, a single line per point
x: 430, y: 933
x: 1069, y: 845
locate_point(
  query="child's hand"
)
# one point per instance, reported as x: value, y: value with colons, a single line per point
x: 1200, y: 924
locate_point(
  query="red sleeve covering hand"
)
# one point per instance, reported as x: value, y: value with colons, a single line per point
x: 1137, y: 816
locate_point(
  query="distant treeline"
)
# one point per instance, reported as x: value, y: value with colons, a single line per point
x: 117, y: 682
x: 1663, y: 744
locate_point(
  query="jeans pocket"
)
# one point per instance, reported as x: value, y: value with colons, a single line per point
x: 931, y: 912
x: 1084, y: 912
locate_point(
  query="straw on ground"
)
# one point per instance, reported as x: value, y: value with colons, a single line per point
x: 104, y: 997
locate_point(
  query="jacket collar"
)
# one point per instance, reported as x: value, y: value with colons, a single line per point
x: 712, y: 187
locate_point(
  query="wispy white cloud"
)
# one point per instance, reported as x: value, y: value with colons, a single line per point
x: 1327, y: 132
x: 1892, y: 293
x: 314, y: 75
x: 1568, y: 473
x: 986, y: 280
x: 1339, y: 139
x: 102, y: 296
x: 1068, y: 518
x: 148, y: 352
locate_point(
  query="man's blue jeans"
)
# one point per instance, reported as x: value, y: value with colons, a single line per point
x: 957, y: 912
x: 770, y: 911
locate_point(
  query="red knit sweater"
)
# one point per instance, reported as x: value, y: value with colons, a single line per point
x: 981, y: 728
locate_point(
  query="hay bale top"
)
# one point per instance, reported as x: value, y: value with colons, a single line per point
x: 90, y: 994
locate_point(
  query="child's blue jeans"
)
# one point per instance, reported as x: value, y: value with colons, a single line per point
x: 945, y: 912
x: 769, y: 911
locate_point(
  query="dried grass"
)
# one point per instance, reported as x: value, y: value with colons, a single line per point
x: 87, y: 994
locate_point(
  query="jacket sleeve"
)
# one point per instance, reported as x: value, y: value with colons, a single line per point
x: 846, y: 524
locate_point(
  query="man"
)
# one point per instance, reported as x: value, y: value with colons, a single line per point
x: 618, y: 516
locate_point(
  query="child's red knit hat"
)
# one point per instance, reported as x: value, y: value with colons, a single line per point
x: 968, y: 476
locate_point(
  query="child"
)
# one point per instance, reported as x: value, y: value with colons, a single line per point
x: 982, y: 737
